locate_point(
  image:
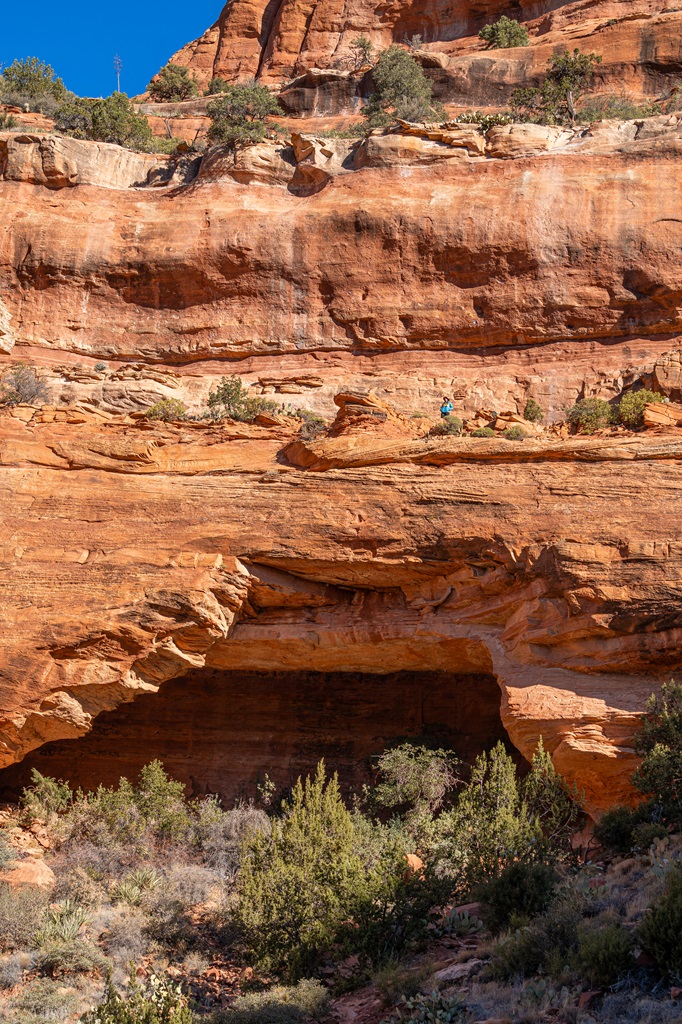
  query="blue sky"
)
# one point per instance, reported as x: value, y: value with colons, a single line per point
x: 81, y: 38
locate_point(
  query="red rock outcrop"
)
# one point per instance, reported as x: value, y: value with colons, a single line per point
x: 527, y: 262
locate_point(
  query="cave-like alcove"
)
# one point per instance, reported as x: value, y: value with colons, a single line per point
x: 219, y: 731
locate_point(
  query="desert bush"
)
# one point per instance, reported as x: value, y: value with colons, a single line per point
x: 216, y: 86
x: 603, y: 954
x: 238, y: 117
x: 125, y: 935
x: 361, y: 51
x: 431, y: 1008
x: 22, y: 385
x: 295, y: 884
x: 631, y: 407
x: 533, y: 411
x: 521, y: 892
x: 591, y: 414
x: 414, y: 781
x: 277, y: 1005
x: 313, y: 425
x: 7, y: 854
x: 112, y: 120
x: 647, y: 832
x: 394, y: 979
x: 619, y: 108
x: 659, y: 775
x: 21, y: 911
x: 483, y: 432
x: 221, y: 834
x: 556, y: 100
x: 157, y: 1000
x: 615, y: 828
x: 552, y: 804
x: 61, y: 923
x: 135, y: 886
x: 78, y: 886
x: 401, y: 90
x: 660, y: 933
x: 231, y: 398
x: 33, y: 79
x: 11, y: 971
x: 516, y: 433
x: 45, y: 798
x: 447, y: 425
x: 8, y: 122
x: 504, y: 33
x: 74, y: 956
x: 541, y: 947
x: 42, y: 1002
x: 167, y: 409
x: 172, y: 84
x: 485, y: 121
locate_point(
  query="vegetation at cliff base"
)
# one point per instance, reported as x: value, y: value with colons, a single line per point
x: 504, y: 33
x: 113, y: 120
x: 556, y: 101
x: 172, y: 84
x: 238, y: 116
x: 31, y: 83
x: 401, y: 90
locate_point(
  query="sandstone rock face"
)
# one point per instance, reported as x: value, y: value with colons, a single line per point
x: 362, y: 282
x: 639, y: 43
x: 556, y: 576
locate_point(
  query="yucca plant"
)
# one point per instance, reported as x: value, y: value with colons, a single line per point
x: 62, y: 923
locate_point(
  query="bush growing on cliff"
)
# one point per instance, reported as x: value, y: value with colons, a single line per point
x: 447, y: 425
x: 484, y: 121
x: 402, y: 90
x: 22, y: 385
x: 556, y: 100
x: 591, y: 414
x: 231, y: 398
x: 361, y: 51
x: 483, y: 432
x: 113, y: 120
x: 167, y: 410
x: 31, y: 80
x: 659, y: 741
x: 173, y: 84
x: 516, y: 433
x: 238, y: 117
x: 504, y: 33
x: 631, y: 407
x: 533, y: 411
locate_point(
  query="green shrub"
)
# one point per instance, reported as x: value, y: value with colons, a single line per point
x: 156, y: 1001
x: 431, y: 1008
x: 32, y: 78
x: 216, y: 86
x: 556, y: 100
x: 660, y: 933
x: 533, y: 411
x: 603, y: 954
x: 238, y: 117
x: 231, y: 398
x: 414, y: 780
x: 515, y: 433
x: 22, y: 385
x: 644, y: 834
x: 100, y: 367
x: 74, y: 956
x: 553, y: 805
x: 133, y: 888
x: 401, y: 90
x: 168, y: 410
x: 394, y: 979
x: 521, y: 892
x: 7, y: 122
x: 361, y: 51
x: 112, y: 120
x: 277, y: 1005
x: 62, y: 923
x: 619, y: 108
x: 173, y: 84
x: 41, y: 1002
x: 484, y: 121
x: 21, y: 911
x: 483, y: 432
x: 631, y: 407
x: 45, y: 798
x: 447, y: 425
x: 504, y: 33
x: 659, y: 775
x: 615, y: 829
x: 542, y: 947
x: 296, y: 884
x: 591, y: 414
